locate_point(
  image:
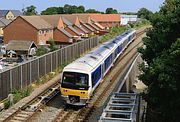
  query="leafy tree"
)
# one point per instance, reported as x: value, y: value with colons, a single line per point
x: 60, y: 10
x: 50, y: 11
x: 53, y: 10
x: 162, y: 78
x: 92, y: 11
x: 144, y: 13
x: 29, y: 11
x: 81, y: 9
x: 67, y: 9
x: 52, y: 45
x: 111, y: 11
x: 162, y: 54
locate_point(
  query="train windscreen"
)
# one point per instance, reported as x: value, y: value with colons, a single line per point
x: 75, y: 80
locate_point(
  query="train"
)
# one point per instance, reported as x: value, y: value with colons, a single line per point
x: 80, y: 78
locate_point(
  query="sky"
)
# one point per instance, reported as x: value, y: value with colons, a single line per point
x: 101, y: 5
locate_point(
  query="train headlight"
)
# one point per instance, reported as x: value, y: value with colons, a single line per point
x: 82, y: 92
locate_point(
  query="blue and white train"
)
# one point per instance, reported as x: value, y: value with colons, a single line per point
x: 81, y: 77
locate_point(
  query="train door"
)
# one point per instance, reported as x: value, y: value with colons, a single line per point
x: 103, y: 69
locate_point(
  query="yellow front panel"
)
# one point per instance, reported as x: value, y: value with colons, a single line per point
x: 81, y: 93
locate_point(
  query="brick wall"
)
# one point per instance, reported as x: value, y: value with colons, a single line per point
x: 45, y: 36
x: 60, y: 37
x: 19, y: 29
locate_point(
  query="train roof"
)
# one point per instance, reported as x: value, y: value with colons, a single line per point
x: 91, y: 60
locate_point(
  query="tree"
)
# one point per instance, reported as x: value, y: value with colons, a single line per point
x: 92, y: 11
x: 53, y: 10
x: 60, y: 10
x: 144, y: 13
x: 111, y: 11
x: 81, y: 9
x: 162, y: 54
x: 50, y: 11
x: 52, y: 45
x: 29, y: 11
x: 162, y: 76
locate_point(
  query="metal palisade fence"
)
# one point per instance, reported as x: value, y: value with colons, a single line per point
x: 24, y: 74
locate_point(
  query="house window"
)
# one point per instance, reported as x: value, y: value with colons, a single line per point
x: 49, y: 31
x: 40, y: 32
x: 42, y: 42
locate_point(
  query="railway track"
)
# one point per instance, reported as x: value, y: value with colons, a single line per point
x: 100, y: 94
x: 25, y: 112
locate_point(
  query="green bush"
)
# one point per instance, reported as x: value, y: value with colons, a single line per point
x: 52, y: 45
x: 41, y: 51
x: 6, y: 104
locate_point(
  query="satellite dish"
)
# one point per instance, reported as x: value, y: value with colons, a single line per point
x: 32, y: 51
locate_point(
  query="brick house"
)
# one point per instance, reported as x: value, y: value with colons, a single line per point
x: 28, y: 28
x: 74, y: 20
x: 107, y: 20
x: 63, y: 32
x: 93, y: 24
x: 64, y: 29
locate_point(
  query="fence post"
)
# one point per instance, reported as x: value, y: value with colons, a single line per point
x: 38, y: 68
x: 30, y: 73
x: 51, y: 62
x: 11, y: 80
x: 56, y: 59
x: 21, y: 78
x: 45, y: 65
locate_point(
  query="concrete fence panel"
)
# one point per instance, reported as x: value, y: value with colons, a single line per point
x: 23, y: 75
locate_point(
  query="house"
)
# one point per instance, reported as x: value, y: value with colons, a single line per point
x: 74, y: 20
x: 64, y: 29
x: 93, y: 24
x: 61, y: 34
x: 21, y: 48
x: 3, y: 22
x: 107, y: 20
x: 29, y: 28
x: 125, y: 19
x: 68, y: 27
x: 10, y: 14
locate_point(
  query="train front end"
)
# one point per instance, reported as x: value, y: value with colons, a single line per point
x: 74, y: 87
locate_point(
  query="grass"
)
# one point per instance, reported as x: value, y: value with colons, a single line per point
x: 114, y: 31
x: 140, y: 24
x: 17, y: 95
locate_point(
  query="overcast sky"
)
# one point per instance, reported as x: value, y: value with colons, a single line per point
x: 101, y: 5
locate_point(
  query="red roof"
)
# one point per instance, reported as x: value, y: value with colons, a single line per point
x: 105, y: 17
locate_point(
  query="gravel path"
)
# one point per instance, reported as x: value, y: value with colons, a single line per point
x: 50, y: 110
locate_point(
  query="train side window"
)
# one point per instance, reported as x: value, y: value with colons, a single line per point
x: 96, y: 75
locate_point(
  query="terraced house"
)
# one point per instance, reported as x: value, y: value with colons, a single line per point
x: 63, y: 28
x: 32, y: 28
